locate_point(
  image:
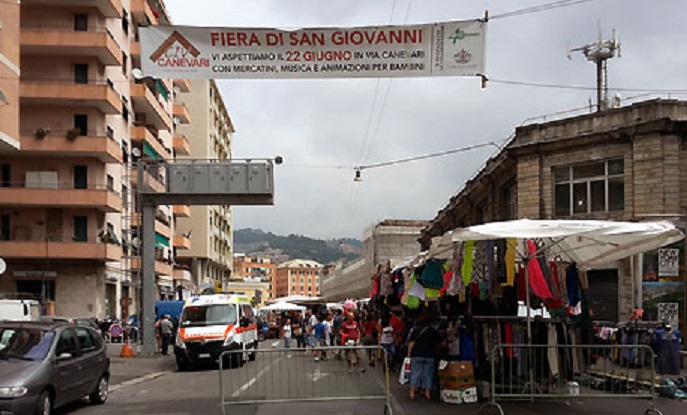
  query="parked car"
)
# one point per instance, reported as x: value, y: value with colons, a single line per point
x: 47, y: 364
x: 80, y: 321
x: 19, y: 309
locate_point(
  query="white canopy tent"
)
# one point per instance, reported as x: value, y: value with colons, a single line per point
x: 298, y: 299
x: 283, y: 306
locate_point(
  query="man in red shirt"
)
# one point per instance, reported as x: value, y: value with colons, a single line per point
x: 350, y: 335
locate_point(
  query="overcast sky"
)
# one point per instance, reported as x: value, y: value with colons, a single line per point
x: 320, y: 125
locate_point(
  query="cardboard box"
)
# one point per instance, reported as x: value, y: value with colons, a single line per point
x: 470, y: 395
x: 459, y: 397
x: 457, y: 376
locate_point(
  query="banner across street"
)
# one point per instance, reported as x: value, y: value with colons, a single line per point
x: 437, y: 49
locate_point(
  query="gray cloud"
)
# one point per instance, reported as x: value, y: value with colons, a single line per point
x: 324, y: 122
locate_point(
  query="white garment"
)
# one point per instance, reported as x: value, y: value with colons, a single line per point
x: 387, y: 335
x: 553, y: 351
x: 328, y: 332
x: 287, y: 331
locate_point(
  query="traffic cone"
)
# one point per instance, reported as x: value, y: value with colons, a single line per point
x: 127, y: 351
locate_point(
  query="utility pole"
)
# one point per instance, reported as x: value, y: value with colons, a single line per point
x: 599, y: 53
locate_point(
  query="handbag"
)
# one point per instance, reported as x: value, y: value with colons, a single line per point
x: 404, y: 373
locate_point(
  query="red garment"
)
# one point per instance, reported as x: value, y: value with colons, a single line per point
x: 447, y: 280
x: 536, y: 276
x: 557, y: 299
x: 369, y: 327
x: 508, y: 339
x: 397, y: 324
x: 522, y: 288
x: 350, y: 330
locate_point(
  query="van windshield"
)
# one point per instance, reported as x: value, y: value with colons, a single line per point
x: 207, y: 315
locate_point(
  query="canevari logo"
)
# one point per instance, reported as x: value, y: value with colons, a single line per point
x: 460, y: 35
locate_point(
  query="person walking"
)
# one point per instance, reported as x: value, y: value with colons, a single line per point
x: 297, y: 329
x: 387, y: 339
x: 422, y: 344
x: 370, y: 336
x: 166, y: 329
x: 320, y: 330
x: 350, y: 335
x: 286, y: 335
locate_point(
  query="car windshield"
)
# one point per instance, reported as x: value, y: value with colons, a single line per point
x: 207, y: 315
x: 25, y: 343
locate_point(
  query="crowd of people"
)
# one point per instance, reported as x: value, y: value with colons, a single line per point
x: 420, y: 337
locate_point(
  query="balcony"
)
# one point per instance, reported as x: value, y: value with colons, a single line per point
x: 154, y: 183
x: 135, y: 49
x: 161, y: 268
x: 182, y: 242
x: 181, y: 211
x: 64, y: 41
x: 39, y: 248
x: 182, y: 275
x: 108, y: 8
x: 181, y: 113
x: 60, y: 195
x: 184, y: 85
x: 55, y: 144
x: 146, y: 103
x: 143, y: 134
x: 142, y: 13
x: 182, y: 146
x: 66, y: 94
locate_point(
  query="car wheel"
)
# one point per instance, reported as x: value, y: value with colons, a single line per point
x: 101, y: 392
x: 44, y: 404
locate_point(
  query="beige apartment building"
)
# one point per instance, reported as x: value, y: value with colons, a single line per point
x: 67, y: 204
x: 255, y: 269
x: 209, y: 258
x: 298, y: 277
x: 9, y: 80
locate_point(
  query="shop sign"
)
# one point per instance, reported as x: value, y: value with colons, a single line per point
x: 668, y: 262
x: 437, y: 49
x: 34, y: 274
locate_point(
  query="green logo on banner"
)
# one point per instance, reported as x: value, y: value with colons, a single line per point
x: 460, y: 35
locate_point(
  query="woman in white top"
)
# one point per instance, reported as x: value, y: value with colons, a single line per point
x: 286, y: 330
x: 386, y: 338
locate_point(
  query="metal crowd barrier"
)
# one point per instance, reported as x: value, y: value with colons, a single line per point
x: 529, y: 372
x: 282, y: 376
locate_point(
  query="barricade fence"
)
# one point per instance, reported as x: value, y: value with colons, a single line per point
x: 529, y: 372
x: 282, y: 376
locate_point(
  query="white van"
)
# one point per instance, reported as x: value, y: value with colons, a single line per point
x: 24, y: 310
x: 212, y: 324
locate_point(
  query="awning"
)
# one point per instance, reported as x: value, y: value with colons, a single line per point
x: 161, y: 241
x: 149, y: 151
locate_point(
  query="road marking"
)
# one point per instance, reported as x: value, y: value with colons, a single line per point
x: 250, y: 382
x: 136, y: 381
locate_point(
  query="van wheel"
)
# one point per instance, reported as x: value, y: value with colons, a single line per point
x: 44, y: 405
x: 183, y: 365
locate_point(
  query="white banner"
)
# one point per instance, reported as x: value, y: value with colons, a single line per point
x: 437, y: 49
x: 669, y: 313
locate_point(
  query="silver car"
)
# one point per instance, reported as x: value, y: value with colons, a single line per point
x: 46, y: 364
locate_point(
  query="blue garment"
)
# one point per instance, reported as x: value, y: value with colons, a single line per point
x: 422, y: 372
x: 467, y: 347
x: 320, y: 330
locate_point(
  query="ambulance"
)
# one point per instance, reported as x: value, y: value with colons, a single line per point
x: 212, y: 324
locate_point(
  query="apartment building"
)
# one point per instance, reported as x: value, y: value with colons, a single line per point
x: 253, y: 268
x: 298, y: 276
x: 9, y: 83
x: 67, y: 204
x: 209, y: 229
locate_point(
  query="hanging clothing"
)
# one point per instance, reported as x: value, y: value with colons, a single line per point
x: 433, y: 274
x: 556, y: 300
x: 486, y: 284
x: 469, y: 249
x: 536, y: 276
x: 572, y: 284
x: 479, y: 262
x: 448, y: 280
x: 500, y: 265
x: 552, y: 351
x: 511, y: 244
x: 522, y: 288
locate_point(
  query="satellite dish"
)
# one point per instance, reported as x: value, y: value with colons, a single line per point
x: 137, y: 73
x: 136, y: 152
x: 3, y: 266
x: 136, y: 242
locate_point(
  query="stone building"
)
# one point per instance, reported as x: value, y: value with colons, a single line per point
x: 625, y: 163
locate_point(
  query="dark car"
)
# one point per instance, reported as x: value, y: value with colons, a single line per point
x: 46, y: 364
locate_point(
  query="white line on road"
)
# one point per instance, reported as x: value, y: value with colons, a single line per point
x: 136, y: 381
x: 250, y: 382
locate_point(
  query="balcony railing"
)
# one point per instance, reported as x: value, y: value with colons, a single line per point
x: 101, y: 145
x: 98, y: 92
x: 64, y: 40
x: 60, y: 194
x: 64, y: 247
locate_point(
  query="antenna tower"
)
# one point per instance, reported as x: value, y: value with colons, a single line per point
x: 599, y: 52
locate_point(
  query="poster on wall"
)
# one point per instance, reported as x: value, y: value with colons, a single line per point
x: 669, y: 313
x: 661, y: 283
x: 453, y: 48
x: 668, y: 262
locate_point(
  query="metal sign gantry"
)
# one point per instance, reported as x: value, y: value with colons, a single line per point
x: 192, y: 182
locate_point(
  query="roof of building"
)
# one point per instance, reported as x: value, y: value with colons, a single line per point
x: 300, y: 263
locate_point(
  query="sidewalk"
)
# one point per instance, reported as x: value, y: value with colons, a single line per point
x: 125, y: 369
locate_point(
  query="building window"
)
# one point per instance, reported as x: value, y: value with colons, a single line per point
x: 80, y: 73
x: 81, y: 22
x: 509, y: 202
x: 591, y: 187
